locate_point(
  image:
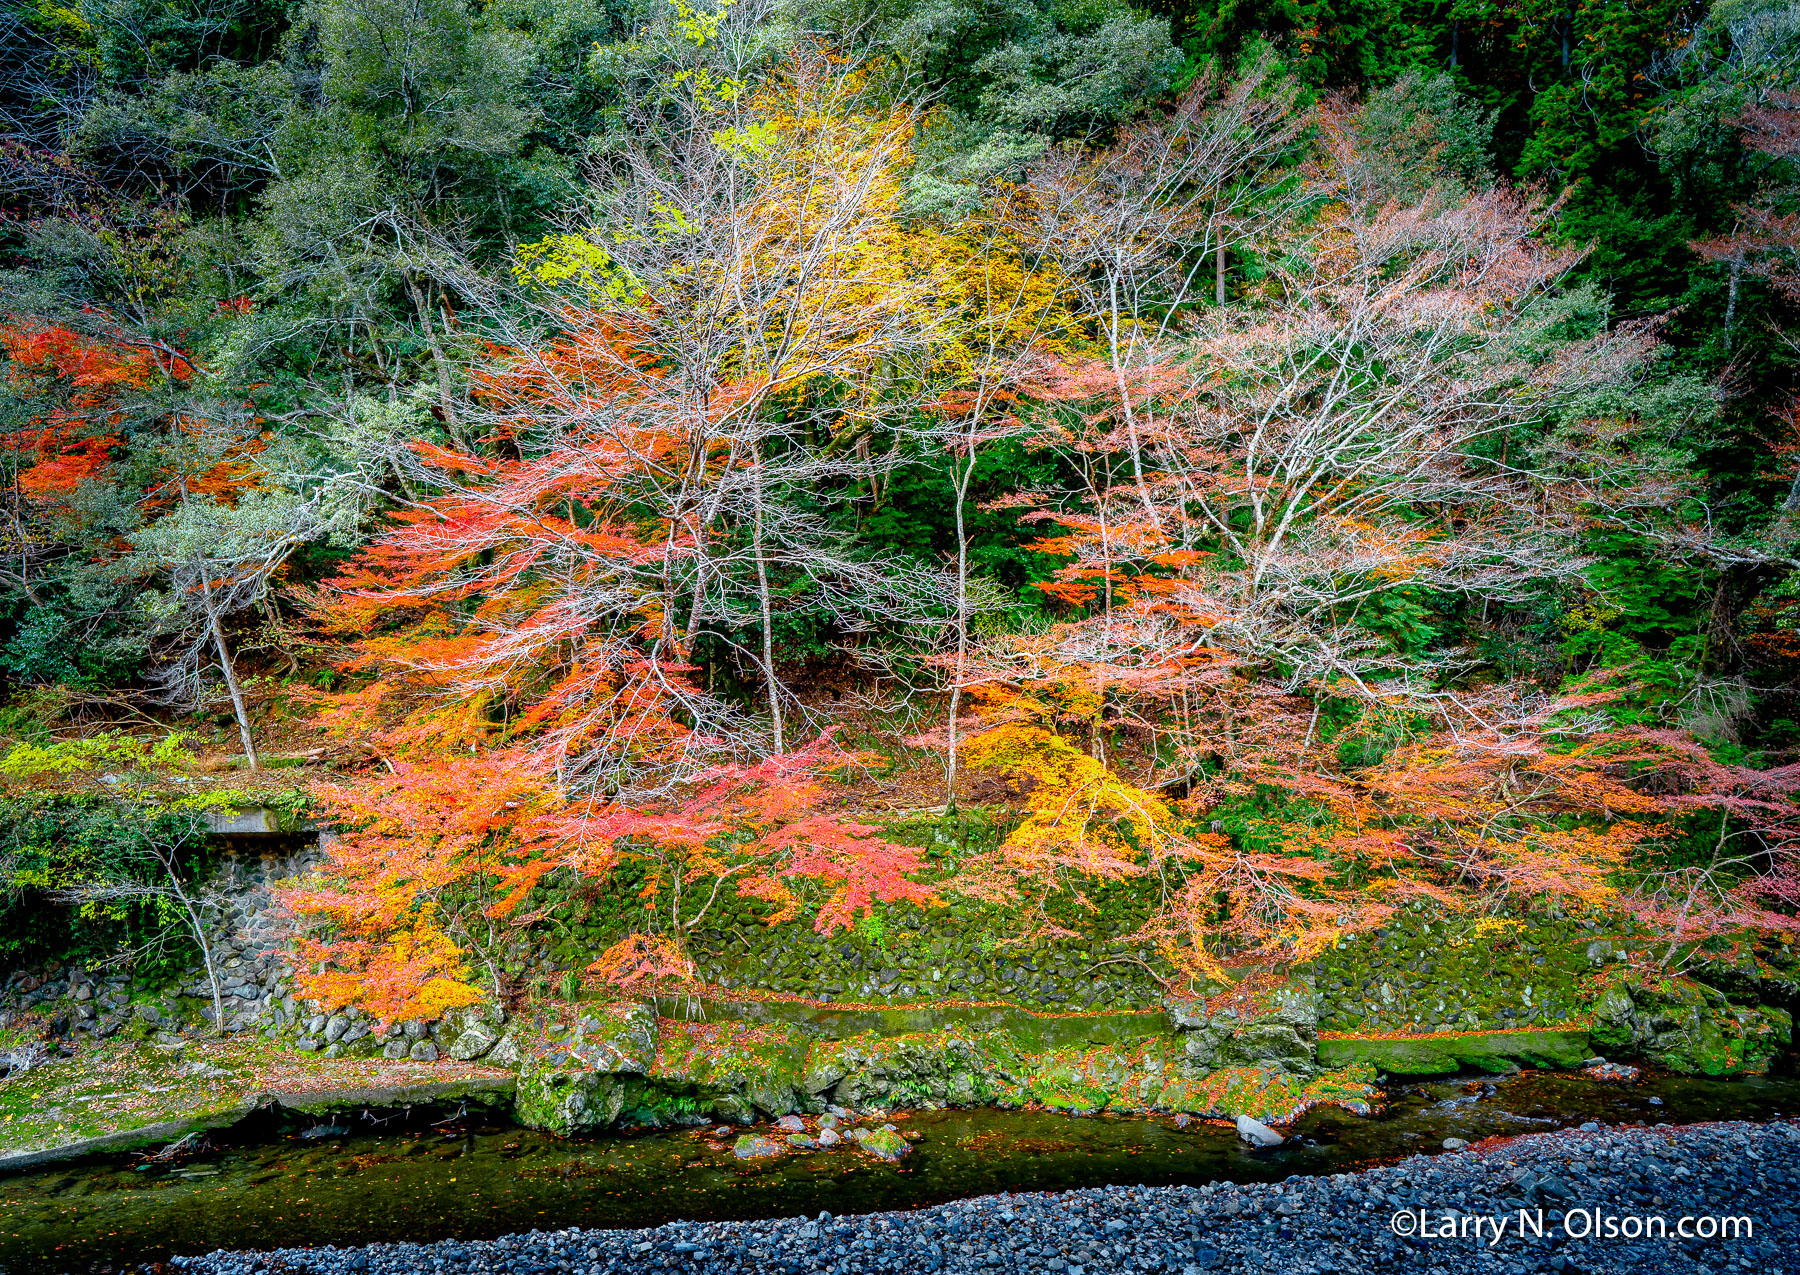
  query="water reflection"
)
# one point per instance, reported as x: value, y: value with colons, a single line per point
x: 272, y: 1188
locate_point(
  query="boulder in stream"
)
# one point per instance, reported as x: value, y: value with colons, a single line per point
x: 753, y: 1146
x: 1256, y: 1133
x: 1688, y: 1026
x: 1277, y: 1029
x: 884, y: 1144
x: 572, y: 1076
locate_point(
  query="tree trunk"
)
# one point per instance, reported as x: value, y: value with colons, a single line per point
x: 1219, y: 270
x: 445, y: 404
x: 212, y: 972
x: 231, y: 682
x: 963, y: 478
x: 167, y: 858
x: 762, y: 593
x: 1731, y: 298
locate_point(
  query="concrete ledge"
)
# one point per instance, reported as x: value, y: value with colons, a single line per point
x: 480, y: 1088
x: 127, y: 1139
x: 1447, y: 1052
x: 1029, y: 1027
x: 485, y: 1089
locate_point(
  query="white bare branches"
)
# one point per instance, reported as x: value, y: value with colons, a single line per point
x: 681, y: 387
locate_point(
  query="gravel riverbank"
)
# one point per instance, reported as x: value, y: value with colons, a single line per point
x: 1726, y: 1195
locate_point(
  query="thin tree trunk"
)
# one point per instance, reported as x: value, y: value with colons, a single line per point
x: 212, y: 972
x: 1113, y: 321
x: 1219, y: 270
x: 762, y: 593
x: 1731, y: 298
x: 199, y: 928
x: 442, y: 364
x: 231, y: 682
x: 963, y: 478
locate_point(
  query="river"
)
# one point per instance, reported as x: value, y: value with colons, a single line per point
x: 268, y: 1184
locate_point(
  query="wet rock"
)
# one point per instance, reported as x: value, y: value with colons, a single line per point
x: 573, y: 1079
x: 734, y: 1108
x: 472, y: 1031
x: 1603, y: 1070
x: 1280, y: 1030
x: 1687, y: 1026
x: 753, y: 1146
x: 948, y: 1068
x: 886, y: 1144
x: 1257, y: 1133
x: 1771, y: 976
x: 736, y: 1075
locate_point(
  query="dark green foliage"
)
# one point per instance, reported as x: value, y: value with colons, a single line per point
x: 47, y: 844
x: 916, y: 513
x: 60, y: 643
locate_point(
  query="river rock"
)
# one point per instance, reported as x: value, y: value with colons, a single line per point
x: 791, y: 1124
x: 571, y: 1079
x: 423, y: 1051
x: 1770, y: 976
x: 472, y: 1031
x: 946, y: 1067
x: 1688, y: 1026
x: 1257, y: 1133
x: 753, y: 1146
x: 829, y: 1137
x: 335, y: 1027
x: 1279, y: 1031
x: 735, y: 1108
x: 886, y: 1144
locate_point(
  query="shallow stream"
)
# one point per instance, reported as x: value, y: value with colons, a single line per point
x: 266, y: 1186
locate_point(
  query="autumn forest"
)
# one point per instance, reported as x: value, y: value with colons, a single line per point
x: 1204, y: 487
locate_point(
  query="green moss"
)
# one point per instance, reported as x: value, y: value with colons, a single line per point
x: 1439, y: 1055
x: 1688, y: 1026
x: 885, y: 1143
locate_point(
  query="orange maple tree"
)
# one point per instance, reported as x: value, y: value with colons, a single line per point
x: 79, y: 380
x: 529, y: 628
